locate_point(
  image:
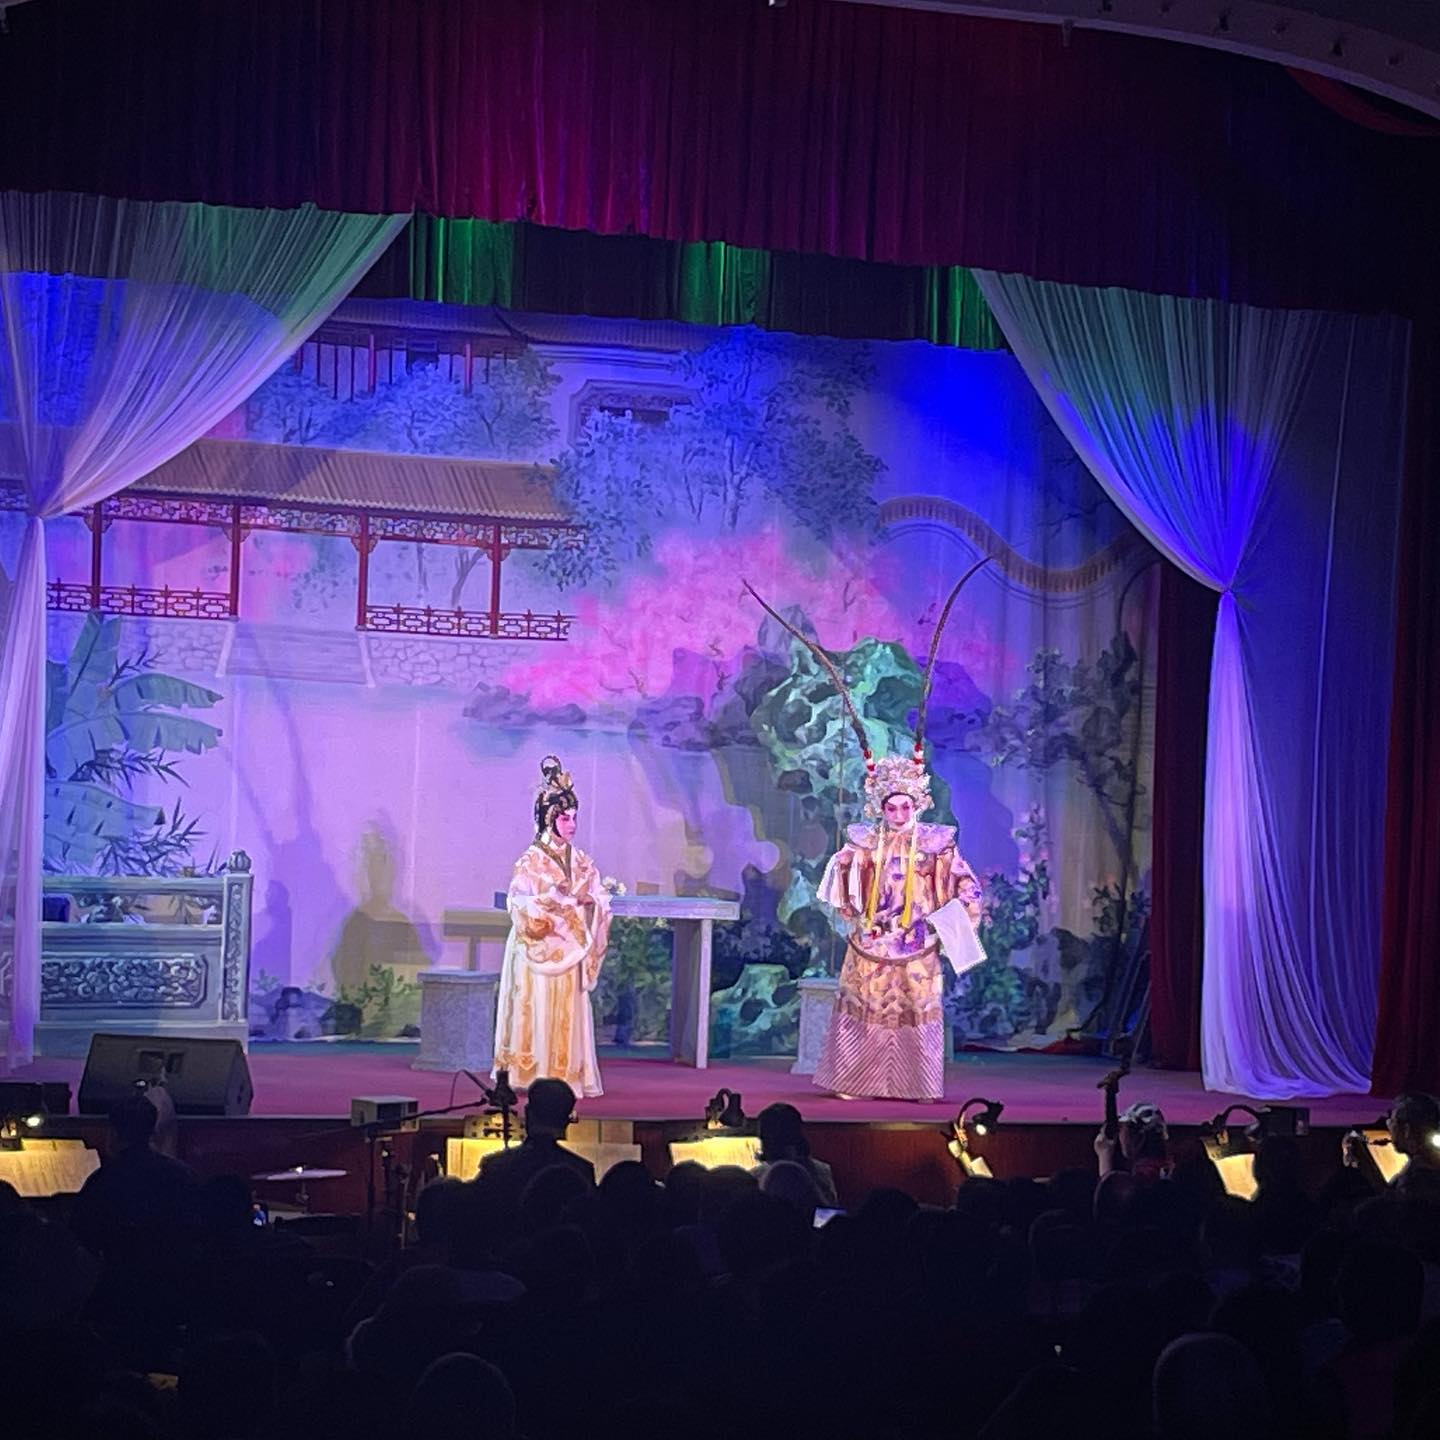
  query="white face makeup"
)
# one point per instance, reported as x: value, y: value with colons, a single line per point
x: 564, y: 825
x: 899, y: 811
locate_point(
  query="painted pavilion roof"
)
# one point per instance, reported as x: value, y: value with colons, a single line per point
x: 357, y: 479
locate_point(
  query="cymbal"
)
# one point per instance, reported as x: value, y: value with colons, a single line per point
x: 300, y: 1172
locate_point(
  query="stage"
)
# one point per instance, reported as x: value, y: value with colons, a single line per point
x: 319, y: 1079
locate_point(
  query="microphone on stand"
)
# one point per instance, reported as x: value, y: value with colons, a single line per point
x: 498, y: 1096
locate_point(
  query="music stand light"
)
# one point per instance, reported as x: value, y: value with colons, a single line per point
x: 22, y: 1112
x: 725, y: 1136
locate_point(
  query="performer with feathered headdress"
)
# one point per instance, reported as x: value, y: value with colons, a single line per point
x: 905, y: 895
x: 560, y: 924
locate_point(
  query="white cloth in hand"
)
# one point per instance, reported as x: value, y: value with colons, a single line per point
x: 958, y: 941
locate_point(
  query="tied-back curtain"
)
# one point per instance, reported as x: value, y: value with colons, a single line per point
x: 1236, y: 440
x: 129, y: 329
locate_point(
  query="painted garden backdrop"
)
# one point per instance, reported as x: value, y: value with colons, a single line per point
x: 468, y: 538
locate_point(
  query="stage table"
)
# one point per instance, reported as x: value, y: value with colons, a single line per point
x: 692, y: 921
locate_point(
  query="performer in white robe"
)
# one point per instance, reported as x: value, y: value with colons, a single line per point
x: 559, y: 928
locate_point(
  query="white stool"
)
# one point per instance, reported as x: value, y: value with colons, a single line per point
x: 817, y: 1002
x: 457, y: 1021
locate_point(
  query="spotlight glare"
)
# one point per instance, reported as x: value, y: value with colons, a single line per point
x: 34, y: 1122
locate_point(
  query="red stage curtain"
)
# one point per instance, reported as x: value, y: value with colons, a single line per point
x: 1182, y: 699
x: 859, y: 131
x: 1368, y: 110
x: 1407, y: 1038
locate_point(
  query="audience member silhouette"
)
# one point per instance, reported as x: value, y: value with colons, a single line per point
x: 782, y: 1137
x: 137, y: 1195
x: 549, y: 1108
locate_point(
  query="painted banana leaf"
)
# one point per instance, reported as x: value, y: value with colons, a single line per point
x: 82, y: 819
x: 148, y: 687
x: 57, y: 694
x: 76, y: 744
x: 92, y: 665
x: 158, y: 730
x: 129, y: 718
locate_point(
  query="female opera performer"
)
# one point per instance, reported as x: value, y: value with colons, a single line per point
x: 559, y: 926
x: 904, y: 894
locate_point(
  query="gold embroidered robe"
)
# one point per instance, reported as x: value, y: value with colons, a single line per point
x: 886, y: 1038
x: 559, y: 927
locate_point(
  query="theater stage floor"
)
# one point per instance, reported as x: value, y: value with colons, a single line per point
x: 319, y: 1079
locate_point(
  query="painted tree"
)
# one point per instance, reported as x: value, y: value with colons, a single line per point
x: 1085, y: 716
x: 684, y: 623
x: 418, y: 412
x: 612, y: 480
x: 426, y: 411
x: 770, y: 418
x: 291, y: 408
x: 509, y: 413
x: 1079, y: 713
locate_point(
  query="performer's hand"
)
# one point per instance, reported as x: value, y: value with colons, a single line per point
x: 1105, y: 1145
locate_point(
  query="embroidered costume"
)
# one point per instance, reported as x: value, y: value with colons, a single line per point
x: 887, y: 1033
x: 559, y: 927
x: 906, y: 897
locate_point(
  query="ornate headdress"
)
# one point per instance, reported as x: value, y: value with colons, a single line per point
x: 556, y: 794
x: 896, y: 775
x: 891, y: 774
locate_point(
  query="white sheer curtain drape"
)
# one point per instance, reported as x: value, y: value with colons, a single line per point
x: 1235, y: 440
x: 129, y: 328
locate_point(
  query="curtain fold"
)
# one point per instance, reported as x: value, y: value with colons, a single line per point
x: 1407, y: 1056
x: 129, y: 328
x: 1177, y: 889
x: 1241, y: 443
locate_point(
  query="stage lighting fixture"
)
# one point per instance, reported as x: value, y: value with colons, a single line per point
x: 1232, y: 1150
x: 1267, y: 1120
x: 724, y: 1111
x: 725, y: 1136
x: 985, y: 1121
x: 1219, y: 1124
x: 981, y: 1124
x: 22, y: 1111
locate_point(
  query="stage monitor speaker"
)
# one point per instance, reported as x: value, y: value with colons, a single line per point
x: 203, y: 1076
